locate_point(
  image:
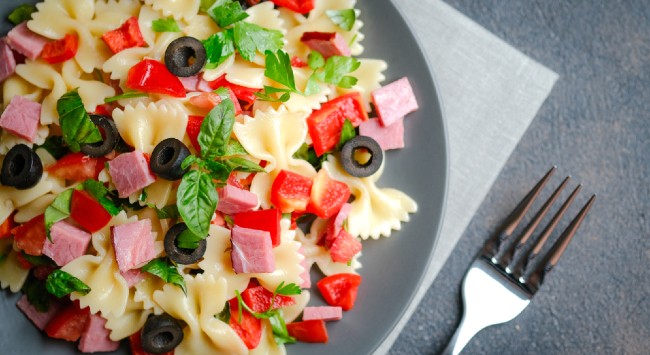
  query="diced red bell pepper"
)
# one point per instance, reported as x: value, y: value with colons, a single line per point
x: 299, y: 6
x: 298, y: 63
x: 127, y: 36
x: 193, y: 128
x: 152, y: 76
x: 265, y: 220
x: 249, y: 329
x: 259, y: 299
x: 243, y: 93
x: 7, y: 226
x: 86, y: 211
x: 309, y: 331
x: 290, y: 192
x: 326, y: 123
x: 340, y: 289
x: 327, y: 195
x: 68, y: 323
x: 208, y: 100
x: 61, y: 50
x: 77, y: 167
x: 233, y: 180
x: 135, y: 342
x: 344, y: 247
x: 30, y: 236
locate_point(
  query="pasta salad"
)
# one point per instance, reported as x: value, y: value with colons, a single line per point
x: 172, y: 170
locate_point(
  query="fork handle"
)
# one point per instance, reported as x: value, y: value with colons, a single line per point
x: 464, y: 333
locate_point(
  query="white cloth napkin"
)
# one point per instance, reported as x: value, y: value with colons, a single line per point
x: 490, y: 94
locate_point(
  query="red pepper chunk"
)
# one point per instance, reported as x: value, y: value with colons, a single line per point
x: 151, y: 76
x: 309, y: 331
x: 68, y: 323
x: 86, y: 211
x: 299, y: 6
x: 77, y: 167
x: 193, y: 128
x: 344, y: 247
x: 242, y: 93
x: 127, y: 36
x: 327, y: 195
x: 61, y: 50
x: 30, y: 236
x: 259, y: 299
x: 249, y: 329
x: 135, y: 342
x: 340, y: 289
x: 290, y: 192
x: 265, y: 220
x: 7, y: 226
x: 208, y: 100
x: 325, y: 124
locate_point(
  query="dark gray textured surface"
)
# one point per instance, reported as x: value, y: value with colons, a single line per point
x: 595, y: 126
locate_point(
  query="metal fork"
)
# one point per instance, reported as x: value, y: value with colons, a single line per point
x: 508, y: 271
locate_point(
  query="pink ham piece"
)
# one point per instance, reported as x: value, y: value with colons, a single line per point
x: 394, y: 101
x: 7, y: 61
x: 130, y: 173
x: 40, y: 319
x: 190, y: 82
x: 325, y: 313
x: 68, y: 243
x: 234, y: 200
x: 21, y: 118
x: 390, y: 137
x: 26, y: 42
x: 133, y: 244
x: 132, y: 277
x: 326, y: 43
x: 335, y: 225
x: 252, y: 251
x: 95, y: 337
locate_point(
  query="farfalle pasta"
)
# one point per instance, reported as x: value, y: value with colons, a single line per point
x: 199, y: 199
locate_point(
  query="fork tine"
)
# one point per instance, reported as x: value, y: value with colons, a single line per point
x: 553, y: 256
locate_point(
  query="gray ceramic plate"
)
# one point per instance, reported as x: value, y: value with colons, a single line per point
x: 392, y: 268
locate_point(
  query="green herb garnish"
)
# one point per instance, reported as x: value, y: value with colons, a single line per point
x: 75, y: 122
x: 218, y: 48
x: 36, y: 293
x: 165, y: 25
x: 55, y: 146
x: 347, y: 132
x: 61, y: 283
x: 127, y: 95
x: 57, y: 211
x: 343, y: 18
x: 250, y: 39
x: 167, y: 212
x: 167, y: 271
x: 226, y: 13
x: 21, y: 14
x: 100, y: 192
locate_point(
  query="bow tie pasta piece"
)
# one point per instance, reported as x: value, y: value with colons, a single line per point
x: 268, y: 345
x: 92, y: 92
x: 264, y: 15
x: 370, y: 75
x: 178, y: 9
x: 12, y: 275
x: 130, y: 322
x: 111, y: 14
x: 16, y: 199
x: 321, y: 256
x: 15, y: 85
x: 297, y: 102
x: 46, y: 77
x: 201, y: 27
x: 143, y: 127
x: 204, y: 333
x: 8, y: 140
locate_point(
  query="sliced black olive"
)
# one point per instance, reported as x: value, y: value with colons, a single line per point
x: 161, y: 334
x: 167, y: 158
x: 111, y: 137
x: 22, y: 168
x: 185, y: 56
x: 357, y: 145
x: 182, y: 256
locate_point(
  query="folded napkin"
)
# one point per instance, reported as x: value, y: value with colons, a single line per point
x: 490, y: 93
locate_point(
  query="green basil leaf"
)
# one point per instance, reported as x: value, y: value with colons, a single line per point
x: 337, y: 67
x: 99, y: 192
x: 245, y: 165
x: 61, y: 283
x: 55, y: 146
x: 188, y: 240
x: 197, y: 200
x: 235, y: 148
x: 21, y: 14
x: 165, y: 25
x: 279, y: 327
x: 227, y: 13
x: 191, y: 160
x: 251, y: 38
x: 216, y: 129
x: 206, y: 5
x: 36, y: 293
x: 218, y: 170
x: 75, y: 122
x: 57, y: 211
x: 168, y: 212
x: 287, y: 290
x: 343, y: 18
x: 127, y: 95
x: 223, y: 93
x: 218, y: 48
x: 307, y: 152
x: 167, y: 271
x: 224, y: 315
x: 278, y: 68
x: 315, y: 60
x: 38, y: 260
x: 347, y: 132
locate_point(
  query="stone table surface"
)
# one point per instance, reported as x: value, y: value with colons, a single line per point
x: 595, y: 126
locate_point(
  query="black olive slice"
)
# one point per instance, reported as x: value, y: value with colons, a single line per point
x: 181, y: 255
x: 350, y: 162
x: 161, y: 334
x: 111, y: 137
x: 21, y: 168
x: 167, y: 159
x: 185, y: 56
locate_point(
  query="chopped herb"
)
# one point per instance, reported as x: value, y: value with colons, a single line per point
x: 226, y: 13
x: 335, y: 71
x: 206, y: 5
x: 347, y: 132
x: 267, y: 94
x: 126, y: 95
x: 57, y: 211
x: 279, y: 327
x: 287, y: 290
x: 55, y: 146
x: 245, y: 165
x: 99, y: 192
x: 218, y: 48
x: 167, y: 271
x: 250, y: 39
x: 343, y: 18
x: 234, y: 148
x: 167, y: 212
x: 36, y: 293
x: 75, y: 122
x: 21, y: 14
x: 60, y: 283
x: 165, y: 25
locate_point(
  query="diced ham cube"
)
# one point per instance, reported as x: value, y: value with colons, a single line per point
x: 304, y: 276
x: 21, y: 118
x: 133, y: 244
x: 394, y: 101
x: 204, y: 86
x: 130, y: 173
x: 190, y: 82
x: 335, y: 225
x: 325, y: 313
x: 7, y: 61
x: 344, y: 247
x: 252, y: 251
x: 234, y: 200
x: 389, y: 137
x: 68, y: 243
x: 133, y: 276
x: 326, y: 43
x: 40, y: 319
x: 95, y: 336
x: 26, y: 42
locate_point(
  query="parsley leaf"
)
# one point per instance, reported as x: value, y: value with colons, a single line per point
x: 57, y: 211
x: 98, y: 191
x: 278, y: 68
x: 61, y: 283
x: 315, y: 60
x: 279, y: 327
x: 75, y: 122
x: 287, y: 290
x: 343, y: 18
x: 167, y: 271
x: 335, y: 70
x: 55, y: 146
x: 206, y: 5
x: 36, y: 293
x: 126, y: 95
x: 267, y: 94
x: 218, y: 48
x: 197, y: 200
x: 21, y: 14
x: 251, y: 38
x: 165, y: 25
x: 347, y: 132
x: 227, y: 13
x: 216, y: 129
x: 167, y: 212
